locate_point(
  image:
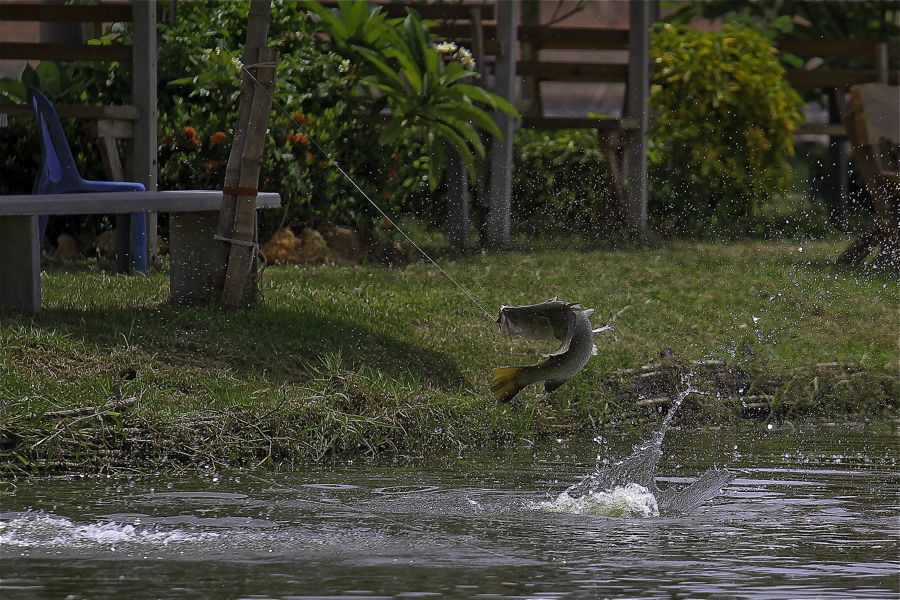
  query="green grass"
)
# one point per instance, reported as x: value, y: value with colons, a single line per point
x: 348, y: 360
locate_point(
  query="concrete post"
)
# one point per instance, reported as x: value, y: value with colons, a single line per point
x: 502, y: 150
x: 638, y: 111
x: 143, y: 90
x: 458, y: 200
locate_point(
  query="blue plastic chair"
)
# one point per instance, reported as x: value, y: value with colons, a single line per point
x: 58, y: 174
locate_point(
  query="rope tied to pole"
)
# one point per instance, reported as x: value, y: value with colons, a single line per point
x: 375, y: 205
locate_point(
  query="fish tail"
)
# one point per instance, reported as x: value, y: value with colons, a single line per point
x: 506, y: 383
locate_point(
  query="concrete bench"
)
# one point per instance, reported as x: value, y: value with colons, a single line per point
x: 192, y: 225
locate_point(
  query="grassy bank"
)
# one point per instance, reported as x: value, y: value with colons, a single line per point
x: 343, y: 360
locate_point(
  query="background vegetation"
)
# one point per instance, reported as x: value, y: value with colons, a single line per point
x: 736, y: 131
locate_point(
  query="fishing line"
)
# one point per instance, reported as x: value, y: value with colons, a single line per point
x: 324, y: 153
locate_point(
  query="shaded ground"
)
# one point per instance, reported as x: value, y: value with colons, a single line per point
x: 363, y: 359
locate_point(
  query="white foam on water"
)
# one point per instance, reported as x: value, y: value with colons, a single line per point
x: 628, y: 501
x: 627, y: 487
x: 43, y: 530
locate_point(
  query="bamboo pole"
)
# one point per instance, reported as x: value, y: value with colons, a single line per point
x: 242, y: 255
x: 257, y: 32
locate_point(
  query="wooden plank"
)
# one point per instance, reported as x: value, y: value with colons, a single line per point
x: 562, y: 71
x: 122, y: 202
x: 85, y: 13
x: 65, y: 52
x: 834, y: 78
x: 876, y: 110
x: 829, y: 48
x: 831, y: 129
x: 437, y: 12
x: 605, y: 123
x: 20, y: 264
x: 111, y: 128
x: 575, y: 38
x: 550, y: 38
x: 500, y: 201
x: 78, y: 111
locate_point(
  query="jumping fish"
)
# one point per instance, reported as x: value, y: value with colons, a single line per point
x: 555, y: 319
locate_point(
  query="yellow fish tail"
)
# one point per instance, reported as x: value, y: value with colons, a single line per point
x: 506, y: 383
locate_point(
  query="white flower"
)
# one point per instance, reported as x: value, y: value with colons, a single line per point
x: 464, y: 56
x: 344, y: 66
x: 446, y: 47
x: 237, y: 63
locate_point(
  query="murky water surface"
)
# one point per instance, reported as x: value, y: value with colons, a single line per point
x: 813, y: 513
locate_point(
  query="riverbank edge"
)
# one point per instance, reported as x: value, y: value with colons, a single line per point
x: 347, y: 414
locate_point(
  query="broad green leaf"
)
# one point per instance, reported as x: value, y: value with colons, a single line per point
x: 485, y: 97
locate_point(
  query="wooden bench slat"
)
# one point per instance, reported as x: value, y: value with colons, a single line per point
x: 830, y: 48
x: 569, y: 71
x: 577, y: 123
x: 122, y: 202
x: 80, y: 13
x: 833, y: 78
x: 64, y: 52
x: 125, y: 112
x: 442, y: 11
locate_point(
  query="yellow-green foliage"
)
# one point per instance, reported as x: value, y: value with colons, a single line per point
x: 724, y: 119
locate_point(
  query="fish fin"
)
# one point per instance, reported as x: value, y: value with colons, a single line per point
x: 552, y: 385
x: 603, y: 329
x: 553, y: 299
x: 575, y: 306
x: 588, y: 312
x: 506, y: 383
x: 566, y: 341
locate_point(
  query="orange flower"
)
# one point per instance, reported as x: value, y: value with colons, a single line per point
x: 393, y: 174
x: 192, y: 142
x: 299, y: 138
x: 217, y: 138
x: 299, y: 117
x: 310, y: 157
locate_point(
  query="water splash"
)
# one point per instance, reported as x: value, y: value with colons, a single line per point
x: 627, y: 487
x: 32, y: 529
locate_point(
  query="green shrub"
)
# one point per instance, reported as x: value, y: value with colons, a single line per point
x: 560, y: 182
x: 722, y: 132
